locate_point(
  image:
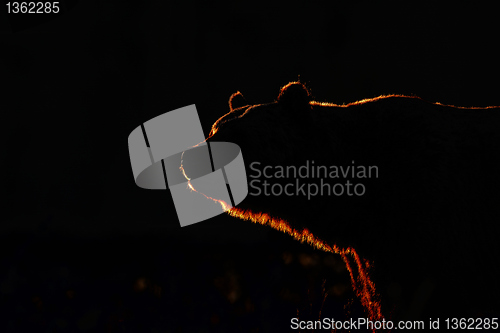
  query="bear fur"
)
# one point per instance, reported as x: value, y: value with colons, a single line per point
x: 428, y: 222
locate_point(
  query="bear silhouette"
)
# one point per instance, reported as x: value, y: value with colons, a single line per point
x: 427, y: 216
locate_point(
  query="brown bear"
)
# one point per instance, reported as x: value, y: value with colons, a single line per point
x: 411, y: 185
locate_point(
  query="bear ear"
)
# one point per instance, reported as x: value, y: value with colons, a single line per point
x: 295, y: 96
x: 236, y: 101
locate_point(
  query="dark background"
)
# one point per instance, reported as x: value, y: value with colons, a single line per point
x: 85, y: 249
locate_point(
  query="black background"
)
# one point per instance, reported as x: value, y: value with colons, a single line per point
x: 75, y: 84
